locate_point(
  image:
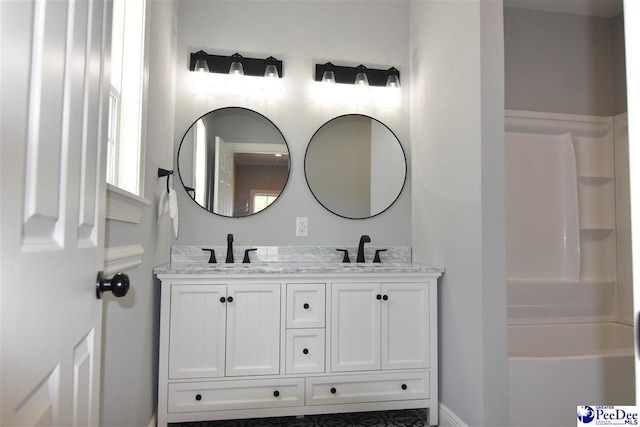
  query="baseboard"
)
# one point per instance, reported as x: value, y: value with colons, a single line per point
x: 448, y: 418
x: 152, y: 422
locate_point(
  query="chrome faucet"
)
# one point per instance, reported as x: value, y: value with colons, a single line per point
x: 230, y: 248
x: 363, y: 239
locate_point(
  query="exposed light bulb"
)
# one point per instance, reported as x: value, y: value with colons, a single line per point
x: 236, y: 69
x: 271, y: 71
x: 393, y: 81
x: 361, y: 79
x: 201, y: 66
x: 328, y: 77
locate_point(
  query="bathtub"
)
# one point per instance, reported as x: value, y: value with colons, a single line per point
x: 553, y: 368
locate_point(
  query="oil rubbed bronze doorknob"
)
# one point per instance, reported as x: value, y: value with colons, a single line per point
x: 118, y: 284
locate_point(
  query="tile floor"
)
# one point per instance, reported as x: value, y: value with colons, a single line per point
x: 406, y: 418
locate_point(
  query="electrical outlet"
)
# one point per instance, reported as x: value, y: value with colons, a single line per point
x: 302, y: 226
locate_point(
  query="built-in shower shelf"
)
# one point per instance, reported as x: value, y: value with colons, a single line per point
x: 596, y: 200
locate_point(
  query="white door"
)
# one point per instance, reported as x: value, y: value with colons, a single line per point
x: 54, y: 100
x: 405, y: 325
x: 197, y: 332
x: 355, y: 326
x: 253, y: 329
x: 224, y: 183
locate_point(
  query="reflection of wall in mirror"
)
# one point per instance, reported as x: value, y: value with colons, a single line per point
x: 270, y: 179
x: 387, y: 162
x: 343, y: 187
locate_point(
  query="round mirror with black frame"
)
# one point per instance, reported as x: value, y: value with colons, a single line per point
x: 355, y: 166
x: 233, y: 162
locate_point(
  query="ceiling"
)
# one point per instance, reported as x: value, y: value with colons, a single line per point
x: 599, y: 8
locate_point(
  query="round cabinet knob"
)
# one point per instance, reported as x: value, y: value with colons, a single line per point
x: 404, y: 386
x: 306, y: 306
x: 378, y: 296
x: 198, y: 397
x: 305, y: 351
x: 223, y: 300
x: 229, y: 299
x: 385, y: 297
x: 276, y: 393
x: 118, y: 284
x: 333, y: 390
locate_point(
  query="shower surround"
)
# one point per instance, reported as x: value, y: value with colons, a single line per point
x: 568, y: 264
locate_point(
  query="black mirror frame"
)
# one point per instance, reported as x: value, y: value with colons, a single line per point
x: 404, y: 154
x: 188, y: 188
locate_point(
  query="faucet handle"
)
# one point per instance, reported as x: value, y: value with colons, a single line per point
x: 212, y: 257
x: 346, y: 255
x: 246, y: 259
x: 376, y: 257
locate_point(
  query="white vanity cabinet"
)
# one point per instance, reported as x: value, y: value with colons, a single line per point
x: 220, y: 330
x: 379, y: 326
x: 256, y: 343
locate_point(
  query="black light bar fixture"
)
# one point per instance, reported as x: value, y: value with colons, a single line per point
x: 359, y: 75
x: 236, y: 64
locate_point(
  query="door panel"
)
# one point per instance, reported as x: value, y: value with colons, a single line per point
x: 253, y: 330
x: 197, y: 335
x: 223, y: 178
x: 52, y: 204
x: 355, y: 327
x: 405, y: 326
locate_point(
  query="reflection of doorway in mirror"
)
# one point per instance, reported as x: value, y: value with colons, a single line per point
x: 260, y: 199
x: 223, y: 178
x: 199, y: 179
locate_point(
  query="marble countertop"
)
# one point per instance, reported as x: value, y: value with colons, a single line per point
x: 295, y: 268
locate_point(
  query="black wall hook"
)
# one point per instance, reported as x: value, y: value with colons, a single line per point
x: 165, y: 172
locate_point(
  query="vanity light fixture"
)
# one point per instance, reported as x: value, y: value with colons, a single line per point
x: 359, y: 75
x: 236, y: 64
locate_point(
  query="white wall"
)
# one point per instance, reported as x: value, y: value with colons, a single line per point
x: 616, y: 27
x: 562, y: 63
x: 301, y: 34
x: 130, y: 338
x: 457, y: 139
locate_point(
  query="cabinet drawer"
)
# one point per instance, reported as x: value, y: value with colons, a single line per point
x: 305, y: 351
x: 221, y: 395
x: 367, y: 388
x: 305, y: 305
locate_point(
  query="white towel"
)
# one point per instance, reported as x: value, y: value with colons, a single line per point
x: 173, y: 210
x: 169, y: 204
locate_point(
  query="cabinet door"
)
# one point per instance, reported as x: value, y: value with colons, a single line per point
x: 355, y: 327
x: 197, y: 331
x: 405, y: 325
x: 253, y: 329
